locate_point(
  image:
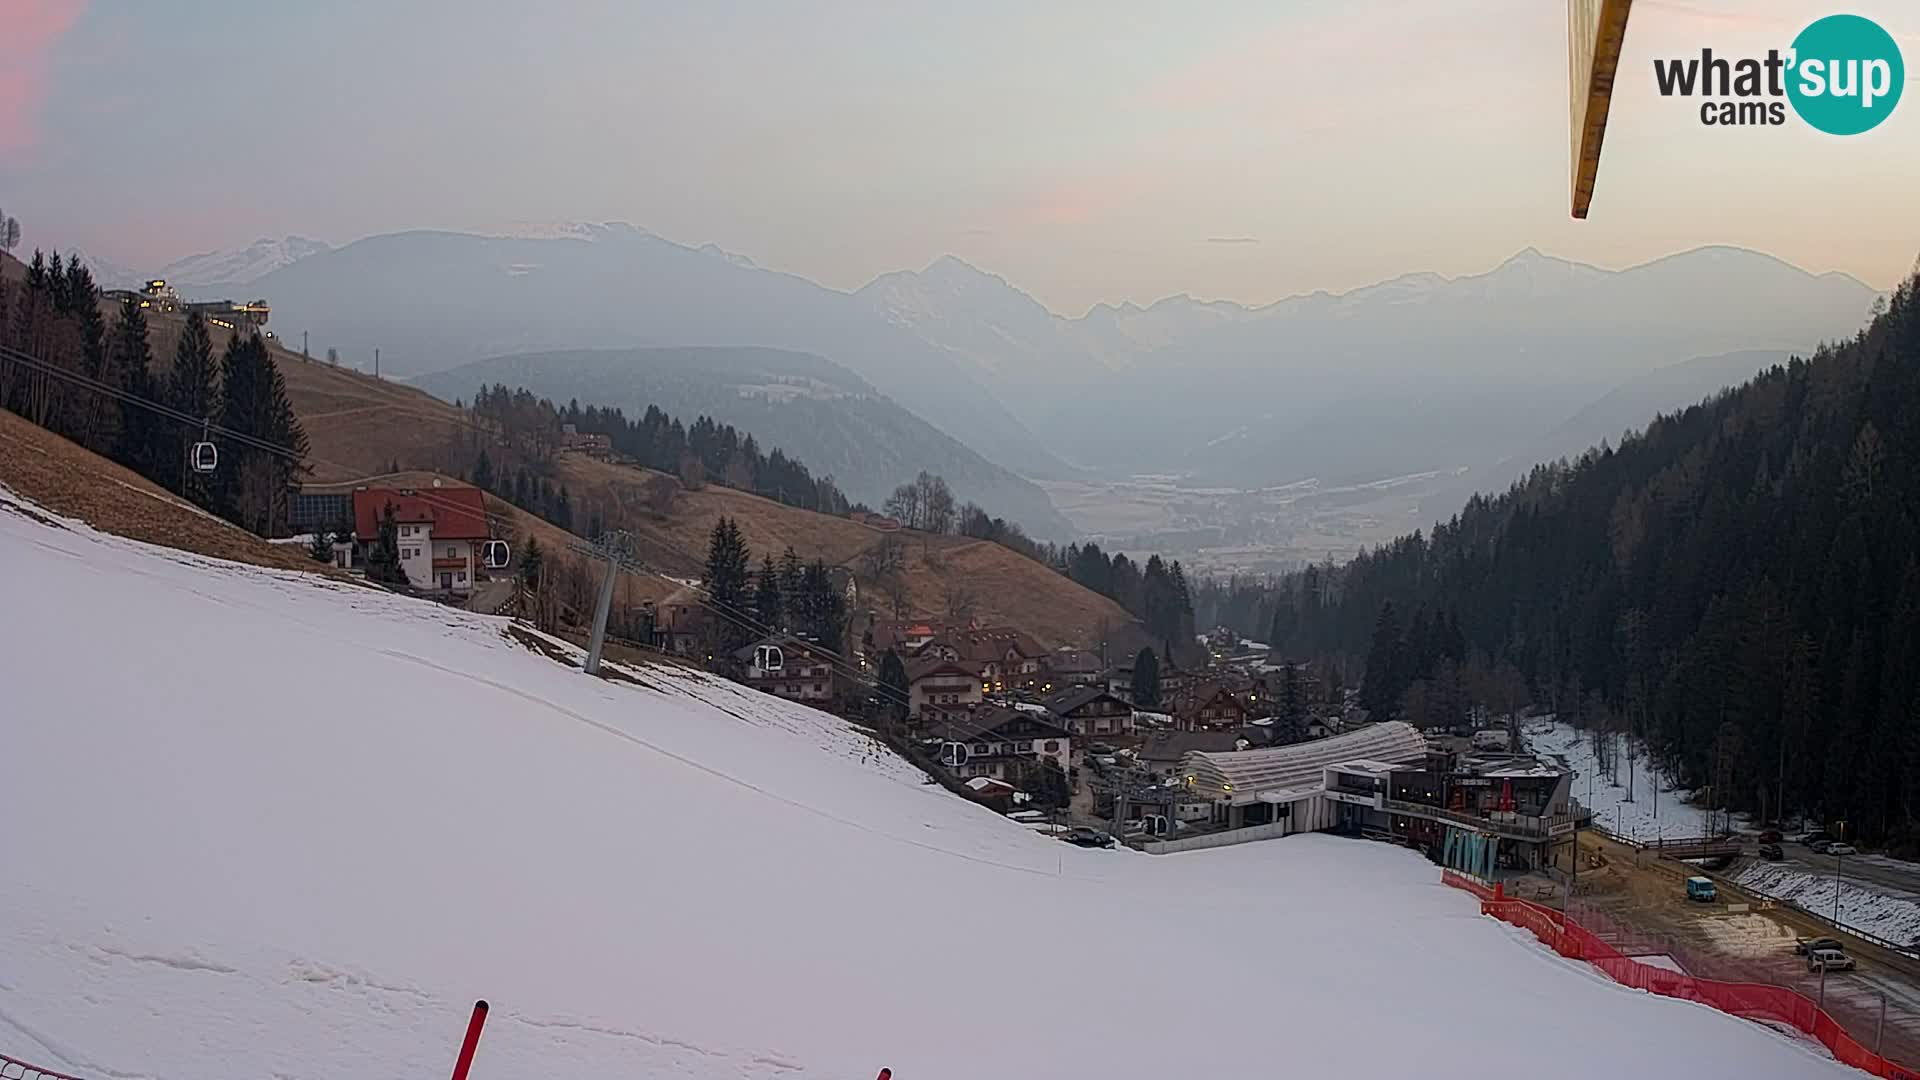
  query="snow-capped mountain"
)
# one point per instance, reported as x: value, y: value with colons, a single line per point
x: 215, y: 270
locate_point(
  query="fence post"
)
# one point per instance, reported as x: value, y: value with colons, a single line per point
x: 1880, y: 1031
x: 465, y: 1061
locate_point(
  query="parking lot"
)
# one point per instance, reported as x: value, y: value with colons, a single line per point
x: 1640, y: 902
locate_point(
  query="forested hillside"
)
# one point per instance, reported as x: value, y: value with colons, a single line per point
x: 1738, y: 584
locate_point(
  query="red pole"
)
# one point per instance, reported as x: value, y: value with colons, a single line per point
x: 886, y: 1074
x: 465, y: 1061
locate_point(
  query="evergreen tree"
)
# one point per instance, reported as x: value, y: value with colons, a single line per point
x: 483, y: 472
x: 252, y: 483
x: 767, y: 605
x: 725, y: 581
x: 823, y: 608
x: 893, y: 686
x: 532, y: 560
x: 146, y: 439
x: 1146, y: 679
x: 1290, y: 721
x: 1387, y: 676
x: 790, y: 574
x: 193, y: 388
x: 383, y: 556
x: 321, y: 548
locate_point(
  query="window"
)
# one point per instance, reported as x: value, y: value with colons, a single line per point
x: 450, y: 553
x: 1053, y: 746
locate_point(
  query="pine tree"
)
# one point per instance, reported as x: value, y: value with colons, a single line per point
x: 767, y: 606
x: 483, y: 472
x: 894, y: 686
x: 790, y: 573
x: 725, y: 582
x: 383, y: 556
x: 1386, y: 676
x: 146, y: 439
x: 1146, y: 679
x: 321, y: 548
x: 1290, y: 723
x: 251, y: 485
x: 532, y: 558
x: 193, y: 388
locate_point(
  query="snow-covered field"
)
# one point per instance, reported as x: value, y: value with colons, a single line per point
x: 1645, y: 818
x: 259, y: 825
x: 1862, y: 907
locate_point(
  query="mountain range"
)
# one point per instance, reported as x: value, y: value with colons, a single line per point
x: 809, y: 407
x: 1419, y: 372
x: 213, y: 274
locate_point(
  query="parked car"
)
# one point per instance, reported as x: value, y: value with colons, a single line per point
x: 1819, y: 847
x: 1829, y: 959
x: 1841, y: 849
x: 1088, y: 836
x: 1772, y: 852
x: 1100, y: 748
x: 1701, y: 889
x: 1770, y: 836
x: 1810, y: 838
x: 1805, y: 945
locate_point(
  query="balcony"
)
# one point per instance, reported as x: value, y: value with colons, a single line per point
x: 1512, y: 827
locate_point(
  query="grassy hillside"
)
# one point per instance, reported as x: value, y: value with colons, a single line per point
x: 809, y: 407
x: 77, y: 483
x: 358, y: 426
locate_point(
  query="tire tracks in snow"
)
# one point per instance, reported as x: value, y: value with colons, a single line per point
x: 468, y: 676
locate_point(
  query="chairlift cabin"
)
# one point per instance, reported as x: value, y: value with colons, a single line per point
x: 205, y: 457
x: 494, y: 555
x: 769, y: 658
x: 953, y: 754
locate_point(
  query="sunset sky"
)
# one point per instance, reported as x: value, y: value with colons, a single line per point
x: 1088, y: 151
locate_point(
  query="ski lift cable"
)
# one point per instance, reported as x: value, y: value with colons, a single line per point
x: 746, y: 621
x: 836, y: 659
x: 206, y: 424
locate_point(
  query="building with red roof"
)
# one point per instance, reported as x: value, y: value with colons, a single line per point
x: 439, y: 532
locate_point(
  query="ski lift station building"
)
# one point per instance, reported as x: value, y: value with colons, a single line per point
x: 1386, y: 780
x: 1287, y: 786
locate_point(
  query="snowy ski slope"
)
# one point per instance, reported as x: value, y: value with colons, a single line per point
x: 256, y: 825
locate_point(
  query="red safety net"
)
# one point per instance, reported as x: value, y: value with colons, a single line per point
x: 1751, y: 1001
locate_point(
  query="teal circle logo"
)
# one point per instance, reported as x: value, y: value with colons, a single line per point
x: 1846, y: 75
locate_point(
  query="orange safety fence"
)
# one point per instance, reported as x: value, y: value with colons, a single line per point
x: 1750, y: 1001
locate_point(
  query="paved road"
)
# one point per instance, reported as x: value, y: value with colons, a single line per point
x: 1891, y: 877
x: 490, y: 596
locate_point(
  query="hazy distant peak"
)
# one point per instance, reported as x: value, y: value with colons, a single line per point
x: 565, y: 230
x: 1532, y: 258
x: 718, y: 252
x: 242, y: 266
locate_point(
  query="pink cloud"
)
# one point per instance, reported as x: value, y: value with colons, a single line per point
x: 30, y: 27
x: 1081, y: 200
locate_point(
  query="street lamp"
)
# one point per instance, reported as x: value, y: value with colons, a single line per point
x: 1836, y: 886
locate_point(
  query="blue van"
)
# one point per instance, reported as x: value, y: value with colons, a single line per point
x: 1701, y: 889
